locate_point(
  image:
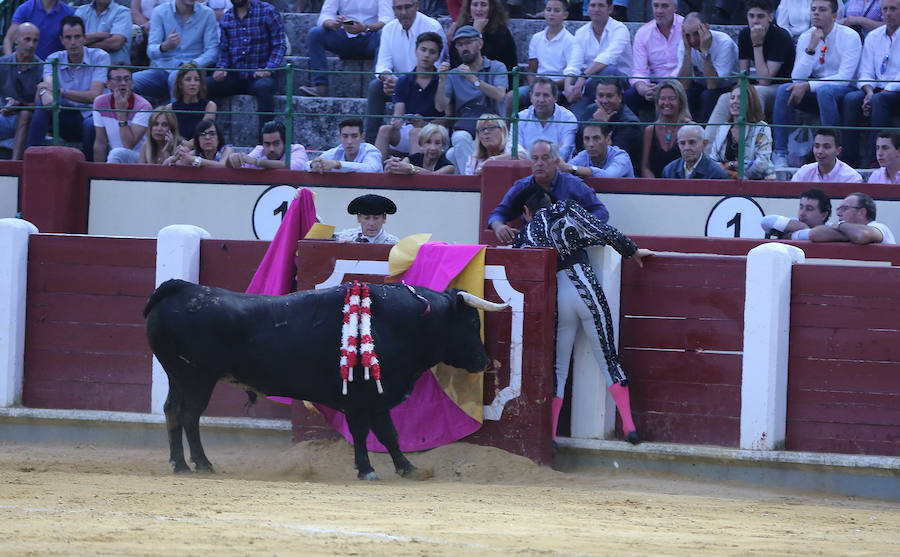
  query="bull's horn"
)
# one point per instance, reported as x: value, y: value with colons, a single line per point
x: 477, y: 302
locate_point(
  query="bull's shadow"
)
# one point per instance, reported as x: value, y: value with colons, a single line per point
x: 290, y: 346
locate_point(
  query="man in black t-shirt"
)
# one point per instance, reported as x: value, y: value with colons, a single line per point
x: 768, y: 49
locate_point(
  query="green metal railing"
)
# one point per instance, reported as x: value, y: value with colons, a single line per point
x: 743, y: 79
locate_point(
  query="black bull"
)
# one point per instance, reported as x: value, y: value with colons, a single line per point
x: 290, y: 346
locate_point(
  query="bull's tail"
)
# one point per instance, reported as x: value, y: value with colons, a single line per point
x: 167, y: 288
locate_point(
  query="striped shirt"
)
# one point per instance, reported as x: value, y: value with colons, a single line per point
x: 106, y: 117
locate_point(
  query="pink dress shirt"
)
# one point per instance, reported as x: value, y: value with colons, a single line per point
x: 842, y: 172
x: 654, y: 54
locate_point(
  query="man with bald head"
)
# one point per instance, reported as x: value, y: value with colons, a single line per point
x: 706, y: 59
x: 18, y: 87
x: 47, y: 16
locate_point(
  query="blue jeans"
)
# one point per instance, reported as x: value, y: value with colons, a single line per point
x: 702, y: 101
x: 376, y: 100
x: 824, y: 101
x: 637, y: 103
x: 319, y: 39
x: 263, y: 88
x: 885, y: 104
x: 155, y: 83
x: 72, y: 127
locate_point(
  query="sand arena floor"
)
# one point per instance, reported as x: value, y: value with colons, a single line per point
x: 305, y: 500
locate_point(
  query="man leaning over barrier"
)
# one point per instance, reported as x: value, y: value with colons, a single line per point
x: 814, y: 210
x: 856, y: 224
x: 269, y: 153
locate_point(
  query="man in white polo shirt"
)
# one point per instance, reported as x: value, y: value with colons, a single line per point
x: 396, y: 53
x: 119, y: 128
x: 856, y: 224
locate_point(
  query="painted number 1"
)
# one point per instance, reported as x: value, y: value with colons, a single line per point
x: 736, y: 221
x: 283, y: 210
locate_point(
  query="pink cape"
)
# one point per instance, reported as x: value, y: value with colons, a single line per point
x: 428, y: 418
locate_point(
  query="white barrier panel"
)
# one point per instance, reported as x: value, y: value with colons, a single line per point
x: 126, y: 208
x: 14, y: 235
x: 9, y: 196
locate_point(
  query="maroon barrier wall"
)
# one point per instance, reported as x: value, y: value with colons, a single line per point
x: 681, y: 339
x: 85, y: 347
x: 524, y: 427
x: 844, y: 367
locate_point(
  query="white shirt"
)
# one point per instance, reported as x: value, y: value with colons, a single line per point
x: 368, y: 159
x: 880, y: 176
x: 887, y: 237
x: 723, y: 53
x: 843, y: 50
x: 793, y: 15
x: 877, y: 45
x: 555, y: 55
x: 397, y: 51
x: 363, y: 11
x: 613, y: 48
x: 563, y: 134
x: 356, y: 235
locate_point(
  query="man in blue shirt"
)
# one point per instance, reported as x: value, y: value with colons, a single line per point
x: 352, y: 155
x: 107, y: 25
x: 180, y: 31
x: 252, y: 39
x: 600, y: 158
x: 47, y: 16
x: 545, y: 173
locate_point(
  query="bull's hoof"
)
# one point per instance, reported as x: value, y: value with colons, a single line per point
x: 419, y: 474
x: 180, y: 467
x: 633, y: 437
x: 204, y: 468
x: 368, y: 476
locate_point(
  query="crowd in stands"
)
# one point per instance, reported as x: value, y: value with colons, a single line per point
x: 666, y: 103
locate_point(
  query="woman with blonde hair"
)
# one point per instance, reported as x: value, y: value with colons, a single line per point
x: 661, y: 137
x: 431, y: 159
x: 162, y: 137
x: 491, y: 144
x: 191, y: 104
x: 723, y: 149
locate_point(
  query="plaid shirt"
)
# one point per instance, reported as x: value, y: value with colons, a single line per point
x: 255, y: 42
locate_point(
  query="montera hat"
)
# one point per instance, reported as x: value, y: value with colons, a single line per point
x: 465, y: 32
x: 371, y: 204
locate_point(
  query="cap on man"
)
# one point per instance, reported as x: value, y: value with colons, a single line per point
x: 371, y: 212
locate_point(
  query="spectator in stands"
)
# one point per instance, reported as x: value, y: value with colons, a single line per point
x: 119, y: 131
x: 107, y: 25
x: 371, y: 213
x: 18, y: 88
x: 856, y: 224
x: 191, y: 104
x: 768, y: 49
x: 814, y: 210
x: 490, y: 19
x: 429, y: 159
x: 861, y: 15
x: 693, y: 164
x: 655, y: 54
x: 414, y: 96
x: 793, y: 16
x: 879, y: 100
x: 545, y: 173
x: 78, y: 87
x: 600, y: 158
x: 210, y: 148
x: 475, y: 87
x: 706, y: 59
x: 601, y: 48
x: 660, y: 138
x: 550, y: 52
x: 757, y: 139
x: 545, y: 119
x: 827, y: 168
x: 269, y: 153
x: 609, y: 107
x: 251, y: 39
x: 352, y: 155
x: 396, y: 54
x: 180, y: 31
x: 162, y: 138
x: 829, y: 51
x: 492, y: 144
x: 349, y: 28
x: 887, y: 152
x: 47, y: 16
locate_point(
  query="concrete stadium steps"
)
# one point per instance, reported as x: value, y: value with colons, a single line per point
x: 352, y: 82
x: 313, y: 131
